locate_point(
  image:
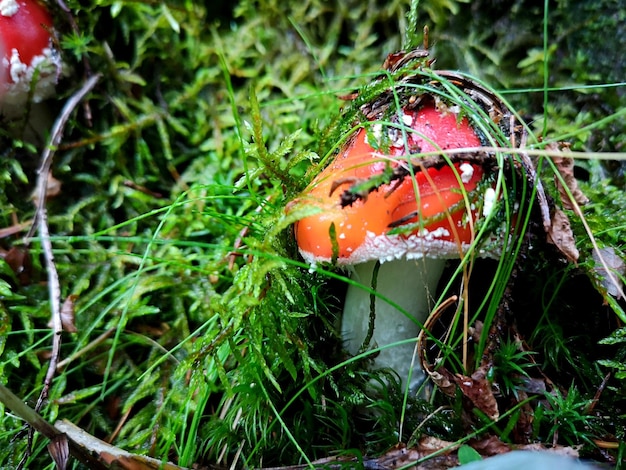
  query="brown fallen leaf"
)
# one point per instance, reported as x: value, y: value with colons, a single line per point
x: 444, y: 381
x: 565, y: 451
x: 560, y: 235
x: 478, y: 389
x: 490, y: 445
x: 59, y: 449
x: 403, y: 457
x: 67, y: 314
x: 565, y: 167
x: 615, y: 263
x: 19, y: 260
x: 53, y: 188
x: 430, y: 444
x: 398, y: 457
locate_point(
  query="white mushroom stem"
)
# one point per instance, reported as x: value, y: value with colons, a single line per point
x: 32, y: 128
x: 412, y: 285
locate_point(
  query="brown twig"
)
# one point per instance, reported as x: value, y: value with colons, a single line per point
x: 35, y: 421
x: 599, y: 391
x: 40, y: 224
x: 41, y: 218
x: 422, y: 338
x: 14, y: 229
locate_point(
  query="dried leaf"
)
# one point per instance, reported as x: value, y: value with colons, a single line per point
x: 397, y: 457
x: 478, y: 389
x: 67, y: 315
x: 21, y: 263
x: 127, y: 463
x: 565, y: 166
x: 430, y: 444
x: 558, y: 450
x: 560, y: 234
x: 53, y: 188
x: 522, y: 432
x: 490, y: 445
x: 476, y: 331
x: 402, y: 457
x: 616, y: 265
x: 444, y: 381
x: 59, y: 449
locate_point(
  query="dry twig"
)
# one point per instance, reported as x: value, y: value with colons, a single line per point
x: 40, y: 225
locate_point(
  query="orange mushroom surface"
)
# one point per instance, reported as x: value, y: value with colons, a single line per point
x: 436, y: 216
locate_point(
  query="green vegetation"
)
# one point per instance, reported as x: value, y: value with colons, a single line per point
x: 200, y: 335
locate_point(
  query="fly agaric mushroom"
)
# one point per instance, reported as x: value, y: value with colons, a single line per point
x: 412, y: 227
x: 30, y: 64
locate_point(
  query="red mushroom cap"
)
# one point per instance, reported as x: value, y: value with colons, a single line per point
x: 436, y: 219
x: 26, y: 51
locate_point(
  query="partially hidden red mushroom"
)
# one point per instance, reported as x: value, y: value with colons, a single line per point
x: 30, y: 63
x: 412, y: 227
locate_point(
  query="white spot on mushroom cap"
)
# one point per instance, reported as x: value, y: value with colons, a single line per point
x: 377, y: 132
x: 430, y: 235
x: 45, y: 67
x: 467, y: 171
x: 9, y: 7
x: 489, y: 201
x: 17, y: 69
